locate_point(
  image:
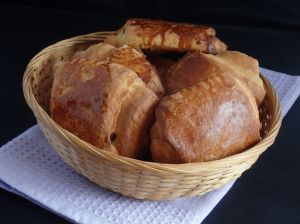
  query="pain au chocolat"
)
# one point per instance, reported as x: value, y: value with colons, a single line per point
x: 158, y: 35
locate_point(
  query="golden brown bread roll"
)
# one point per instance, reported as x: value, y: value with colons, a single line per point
x: 105, y: 104
x: 129, y: 57
x: 210, y: 120
x: 197, y: 67
x: 158, y: 35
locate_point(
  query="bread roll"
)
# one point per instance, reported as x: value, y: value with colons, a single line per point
x: 104, y: 104
x: 209, y: 120
x: 197, y: 67
x: 158, y: 35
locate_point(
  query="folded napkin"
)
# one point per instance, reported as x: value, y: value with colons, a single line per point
x: 30, y: 168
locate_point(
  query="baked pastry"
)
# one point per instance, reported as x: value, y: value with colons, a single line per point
x: 137, y: 62
x: 129, y: 57
x: 107, y: 94
x: 104, y: 104
x: 209, y: 120
x: 158, y: 35
x: 196, y: 67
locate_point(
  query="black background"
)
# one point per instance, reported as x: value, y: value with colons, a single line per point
x: 269, y: 30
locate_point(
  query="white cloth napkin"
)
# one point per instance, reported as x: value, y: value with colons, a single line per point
x: 30, y: 168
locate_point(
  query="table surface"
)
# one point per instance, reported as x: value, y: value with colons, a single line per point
x: 267, y: 193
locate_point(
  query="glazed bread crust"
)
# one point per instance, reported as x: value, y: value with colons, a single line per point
x: 210, y: 120
x: 129, y: 57
x: 196, y: 67
x: 158, y: 35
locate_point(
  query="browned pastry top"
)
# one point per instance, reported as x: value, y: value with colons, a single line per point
x: 162, y: 35
x: 105, y: 104
x: 129, y: 57
x: 136, y: 61
x: 213, y: 119
x: 196, y: 67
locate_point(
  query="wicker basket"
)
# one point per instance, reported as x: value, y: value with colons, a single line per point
x: 130, y: 177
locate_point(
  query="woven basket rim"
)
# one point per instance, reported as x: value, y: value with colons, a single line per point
x: 161, y: 167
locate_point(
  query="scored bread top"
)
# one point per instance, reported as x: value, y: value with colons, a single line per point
x: 158, y: 35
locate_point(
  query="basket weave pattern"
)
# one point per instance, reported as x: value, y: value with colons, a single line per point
x: 130, y: 177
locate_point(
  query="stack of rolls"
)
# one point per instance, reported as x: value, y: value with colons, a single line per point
x: 129, y: 97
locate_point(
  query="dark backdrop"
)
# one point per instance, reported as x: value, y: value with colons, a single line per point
x: 278, y: 14
x: 268, y: 30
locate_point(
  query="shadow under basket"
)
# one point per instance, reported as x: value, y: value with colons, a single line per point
x: 131, y: 177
